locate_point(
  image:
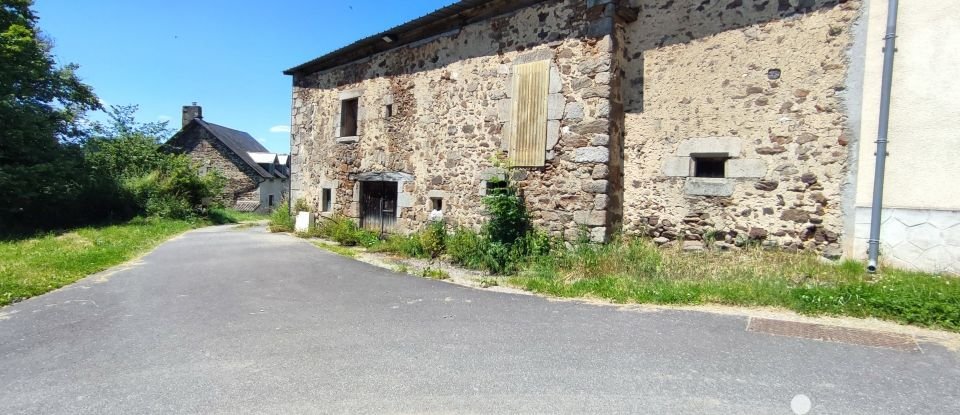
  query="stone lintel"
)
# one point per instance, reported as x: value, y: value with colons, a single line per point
x: 702, y: 186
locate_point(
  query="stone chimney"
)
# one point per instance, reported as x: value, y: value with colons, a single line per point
x: 190, y: 112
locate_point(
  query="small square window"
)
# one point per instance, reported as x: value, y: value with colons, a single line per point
x: 388, y: 110
x: 496, y: 187
x: 436, y: 203
x: 348, y: 117
x: 326, y: 200
x: 709, y: 166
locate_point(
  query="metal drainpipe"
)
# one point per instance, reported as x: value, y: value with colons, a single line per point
x: 889, y: 49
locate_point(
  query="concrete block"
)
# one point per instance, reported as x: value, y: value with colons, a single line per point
x: 543, y: 54
x: 595, y: 186
x: 702, y: 186
x: 504, y: 108
x: 746, y: 168
x: 556, y: 82
x: 553, y: 134
x: 303, y: 222
x: 729, y: 146
x: 676, y: 167
x: 573, y: 111
x: 350, y: 94
x: 598, y: 234
x: 591, y: 155
x: 590, y: 217
x: 555, y: 106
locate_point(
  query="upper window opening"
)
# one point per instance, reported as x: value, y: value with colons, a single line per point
x: 496, y: 187
x: 388, y: 110
x: 348, y: 117
x: 436, y: 203
x: 326, y: 201
x: 710, y: 166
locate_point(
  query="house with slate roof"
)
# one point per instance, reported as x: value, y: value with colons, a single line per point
x: 257, y: 179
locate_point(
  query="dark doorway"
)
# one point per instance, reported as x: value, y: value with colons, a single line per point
x: 378, y: 206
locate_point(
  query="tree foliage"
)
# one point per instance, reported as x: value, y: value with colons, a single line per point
x: 55, y: 169
x: 41, y: 105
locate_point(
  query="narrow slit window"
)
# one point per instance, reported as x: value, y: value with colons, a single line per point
x: 388, y: 110
x: 348, y: 117
x: 326, y: 204
x: 710, y: 166
x: 270, y: 200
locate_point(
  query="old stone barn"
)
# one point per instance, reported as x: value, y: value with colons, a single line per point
x: 678, y: 119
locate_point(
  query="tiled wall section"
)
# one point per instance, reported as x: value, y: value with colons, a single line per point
x: 927, y: 240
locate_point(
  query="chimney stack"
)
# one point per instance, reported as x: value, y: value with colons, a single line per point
x: 190, y: 112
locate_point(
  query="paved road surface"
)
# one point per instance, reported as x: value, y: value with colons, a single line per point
x: 235, y: 321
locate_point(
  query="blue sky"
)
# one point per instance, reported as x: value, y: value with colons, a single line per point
x: 228, y: 56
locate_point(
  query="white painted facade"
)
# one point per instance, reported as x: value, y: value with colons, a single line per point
x: 921, y: 218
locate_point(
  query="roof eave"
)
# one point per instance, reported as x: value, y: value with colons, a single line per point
x: 443, y: 20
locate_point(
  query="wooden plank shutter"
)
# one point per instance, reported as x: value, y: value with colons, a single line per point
x: 528, y: 126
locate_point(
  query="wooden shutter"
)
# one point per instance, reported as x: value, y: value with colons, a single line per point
x: 528, y: 126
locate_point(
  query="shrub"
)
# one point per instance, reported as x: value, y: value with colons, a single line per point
x: 465, y: 247
x: 346, y: 231
x: 433, y: 239
x: 175, y: 190
x: 281, y: 220
x: 509, y: 220
x: 300, y: 205
x: 406, y: 245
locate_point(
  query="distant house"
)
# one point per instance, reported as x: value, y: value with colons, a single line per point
x: 256, y: 178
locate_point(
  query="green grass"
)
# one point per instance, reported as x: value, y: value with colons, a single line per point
x: 35, y: 265
x: 434, y: 273
x: 636, y: 271
x: 337, y: 249
x: 224, y: 216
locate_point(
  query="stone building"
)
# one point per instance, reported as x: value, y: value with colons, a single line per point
x: 683, y: 120
x: 256, y: 178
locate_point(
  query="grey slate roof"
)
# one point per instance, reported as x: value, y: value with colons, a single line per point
x: 239, y: 142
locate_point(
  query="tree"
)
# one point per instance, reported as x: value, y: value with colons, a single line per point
x: 123, y: 147
x: 41, y: 105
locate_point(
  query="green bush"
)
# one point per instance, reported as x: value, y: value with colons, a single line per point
x: 465, y: 247
x: 174, y: 190
x: 281, y: 220
x: 406, y: 245
x: 509, y: 220
x: 300, y: 205
x: 433, y: 239
x: 346, y: 232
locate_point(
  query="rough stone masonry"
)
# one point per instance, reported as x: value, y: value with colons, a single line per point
x: 646, y: 99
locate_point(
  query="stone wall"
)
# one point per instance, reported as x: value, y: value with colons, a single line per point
x: 760, y: 82
x: 210, y: 154
x: 450, y: 98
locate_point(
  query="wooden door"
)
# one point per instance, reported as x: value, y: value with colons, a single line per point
x: 378, y: 207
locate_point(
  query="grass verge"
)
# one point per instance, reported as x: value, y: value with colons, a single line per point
x: 636, y: 271
x: 33, y: 266
x: 337, y: 249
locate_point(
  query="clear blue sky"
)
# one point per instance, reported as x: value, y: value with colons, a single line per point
x: 226, y: 55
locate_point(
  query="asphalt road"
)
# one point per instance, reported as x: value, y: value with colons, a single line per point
x: 240, y: 321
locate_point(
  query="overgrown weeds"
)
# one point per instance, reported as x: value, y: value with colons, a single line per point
x: 281, y: 220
